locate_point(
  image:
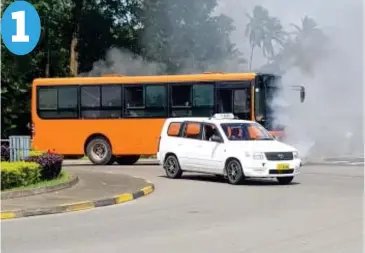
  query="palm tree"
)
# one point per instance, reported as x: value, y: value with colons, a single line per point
x: 309, y: 44
x: 263, y: 30
x: 309, y: 29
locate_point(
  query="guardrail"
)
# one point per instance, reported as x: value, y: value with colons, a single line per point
x: 19, y: 146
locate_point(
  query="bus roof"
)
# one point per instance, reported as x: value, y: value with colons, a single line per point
x: 112, y: 79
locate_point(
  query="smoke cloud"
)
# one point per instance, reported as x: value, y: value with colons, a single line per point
x: 123, y: 62
x: 329, y: 122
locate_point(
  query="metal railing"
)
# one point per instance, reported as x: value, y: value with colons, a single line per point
x: 19, y: 146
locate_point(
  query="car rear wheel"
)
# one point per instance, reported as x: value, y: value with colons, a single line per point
x: 234, y: 172
x: 99, y: 151
x: 172, y: 167
x: 285, y: 180
x: 127, y: 159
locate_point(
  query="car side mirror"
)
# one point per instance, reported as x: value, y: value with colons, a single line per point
x: 216, y: 138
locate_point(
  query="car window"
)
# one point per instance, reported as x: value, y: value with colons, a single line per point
x: 192, y: 130
x: 174, y: 129
x: 208, y: 131
x: 245, y: 132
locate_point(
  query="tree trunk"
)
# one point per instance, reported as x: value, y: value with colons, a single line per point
x: 76, y: 13
x: 48, y: 49
x: 73, y: 56
x: 251, y: 57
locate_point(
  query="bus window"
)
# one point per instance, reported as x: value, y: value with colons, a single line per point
x: 101, y: 102
x: 111, y: 96
x: 47, y: 98
x: 57, y: 102
x: 241, y: 105
x: 134, y: 97
x: 203, y: 95
x: 192, y: 100
x: 67, y: 97
x: 181, y: 96
x: 90, y: 96
x: 156, y: 96
x: 203, y: 100
x: 146, y: 101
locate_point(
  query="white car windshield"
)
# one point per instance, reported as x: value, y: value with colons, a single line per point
x: 246, y: 132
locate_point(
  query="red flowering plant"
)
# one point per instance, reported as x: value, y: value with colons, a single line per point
x: 50, y: 161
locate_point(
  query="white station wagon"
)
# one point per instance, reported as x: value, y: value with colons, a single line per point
x: 223, y: 145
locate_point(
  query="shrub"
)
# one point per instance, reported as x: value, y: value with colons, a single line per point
x: 36, y: 153
x: 16, y: 174
x: 5, y: 153
x: 51, y: 164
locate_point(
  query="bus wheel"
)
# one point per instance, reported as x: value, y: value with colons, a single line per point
x: 127, y: 159
x: 99, y: 151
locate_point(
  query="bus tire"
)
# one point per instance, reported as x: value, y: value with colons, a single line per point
x: 99, y: 151
x: 112, y: 160
x: 127, y: 159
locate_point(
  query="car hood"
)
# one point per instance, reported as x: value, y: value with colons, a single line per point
x: 261, y: 146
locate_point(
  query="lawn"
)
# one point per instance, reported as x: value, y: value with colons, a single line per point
x: 62, y: 178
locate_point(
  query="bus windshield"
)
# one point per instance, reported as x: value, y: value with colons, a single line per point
x: 266, y: 90
x: 245, y: 132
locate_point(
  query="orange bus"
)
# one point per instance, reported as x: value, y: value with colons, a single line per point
x: 119, y: 118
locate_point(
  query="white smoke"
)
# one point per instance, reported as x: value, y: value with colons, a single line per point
x: 123, y: 62
x: 329, y: 122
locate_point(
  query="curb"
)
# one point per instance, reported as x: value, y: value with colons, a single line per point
x: 25, y: 193
x: 346, y: 164
x: 83, y: 205
x: 87, y: 162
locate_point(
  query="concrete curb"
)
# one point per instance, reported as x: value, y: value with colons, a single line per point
x: 83, y: 205
x: 25, y: 193
x: 70, y: 162
x: 346, y: 164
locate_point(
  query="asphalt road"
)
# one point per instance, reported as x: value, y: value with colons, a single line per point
x: 322, y: 212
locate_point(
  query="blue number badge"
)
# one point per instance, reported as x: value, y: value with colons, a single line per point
x: 20, y: 27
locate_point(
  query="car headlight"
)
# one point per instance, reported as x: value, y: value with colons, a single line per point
x: 295, y: 154
x: 255, y: 155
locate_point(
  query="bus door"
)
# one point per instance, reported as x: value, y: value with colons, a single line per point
x: 234, y: 98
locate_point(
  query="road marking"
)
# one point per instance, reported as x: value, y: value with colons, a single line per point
x: 123, y: 198
x: 7, y: 215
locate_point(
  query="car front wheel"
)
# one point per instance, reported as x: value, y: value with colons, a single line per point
x: 234, y: 172
x: 172, y: 167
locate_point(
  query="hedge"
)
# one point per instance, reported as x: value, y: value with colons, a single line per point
x: 16, y: 174
x: 51, y: 163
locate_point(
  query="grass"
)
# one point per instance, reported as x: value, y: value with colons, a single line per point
x: 62, y: 178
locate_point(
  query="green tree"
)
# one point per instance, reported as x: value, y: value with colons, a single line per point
x: 113, y: 25
x: 264, y: 30
x: 18, y: 72
x: 185, y: 34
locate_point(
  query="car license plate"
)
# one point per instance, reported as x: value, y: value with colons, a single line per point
x: 282, y: 166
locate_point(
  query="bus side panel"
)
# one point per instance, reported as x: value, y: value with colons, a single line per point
x: 127, y: 136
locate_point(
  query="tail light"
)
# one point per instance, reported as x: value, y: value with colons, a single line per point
x: 33, y: 130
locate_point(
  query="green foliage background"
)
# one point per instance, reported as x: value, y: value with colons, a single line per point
x: 180, y: 35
